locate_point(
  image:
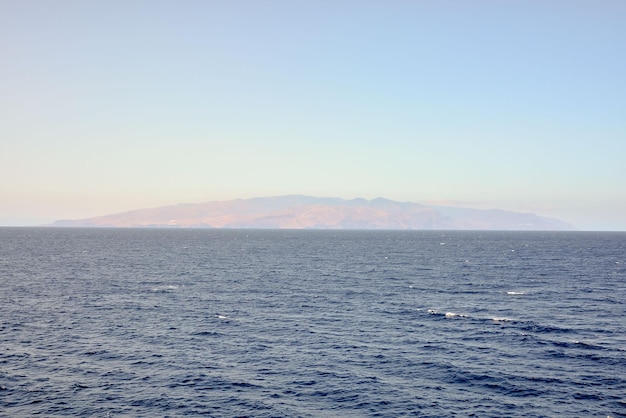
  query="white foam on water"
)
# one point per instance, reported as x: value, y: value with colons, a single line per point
x: 515, y: 293
x: 455, y: 315
x: 447, y: 314
x: 501, y: 319
x: 165, y: 288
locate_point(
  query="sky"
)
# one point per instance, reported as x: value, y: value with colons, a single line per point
x: 108, y: 106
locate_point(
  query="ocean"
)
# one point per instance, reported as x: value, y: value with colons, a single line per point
x: 311, y: 323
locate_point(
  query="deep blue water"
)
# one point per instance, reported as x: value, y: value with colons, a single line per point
x: 284, y: 323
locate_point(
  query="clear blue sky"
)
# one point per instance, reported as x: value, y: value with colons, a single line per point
x: 107, y: 106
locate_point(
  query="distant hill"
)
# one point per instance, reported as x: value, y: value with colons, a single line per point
x: 305, y: 212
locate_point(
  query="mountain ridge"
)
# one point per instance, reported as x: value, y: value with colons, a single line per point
x: 308, y: 212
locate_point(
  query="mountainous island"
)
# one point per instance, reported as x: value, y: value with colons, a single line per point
x: 306, y: 212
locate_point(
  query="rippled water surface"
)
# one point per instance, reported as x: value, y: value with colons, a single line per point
x: 260, y: 323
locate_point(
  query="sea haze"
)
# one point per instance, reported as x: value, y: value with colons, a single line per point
x: 292, y: 323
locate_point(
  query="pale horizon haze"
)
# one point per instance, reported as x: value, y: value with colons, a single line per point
x: 109, y: 106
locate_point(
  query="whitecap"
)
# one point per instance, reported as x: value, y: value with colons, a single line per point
x: 501, y: 319
x: 455, y: 315
x: 165, y: 288
x: 515, y: 293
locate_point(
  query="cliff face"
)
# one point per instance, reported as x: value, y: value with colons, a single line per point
x: 320, y: 213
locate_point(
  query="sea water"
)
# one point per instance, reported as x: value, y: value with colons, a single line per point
x: 291, y: 323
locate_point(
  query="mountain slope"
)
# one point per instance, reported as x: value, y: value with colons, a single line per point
x: 295, y: 211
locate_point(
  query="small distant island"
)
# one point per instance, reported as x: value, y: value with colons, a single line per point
x: 306, y: 212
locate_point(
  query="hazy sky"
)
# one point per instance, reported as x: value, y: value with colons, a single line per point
x: 107, y: 106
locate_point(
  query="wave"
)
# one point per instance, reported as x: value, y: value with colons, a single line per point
x: 499, y: 319
x: 165, y: 288
x: 452, y: 315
